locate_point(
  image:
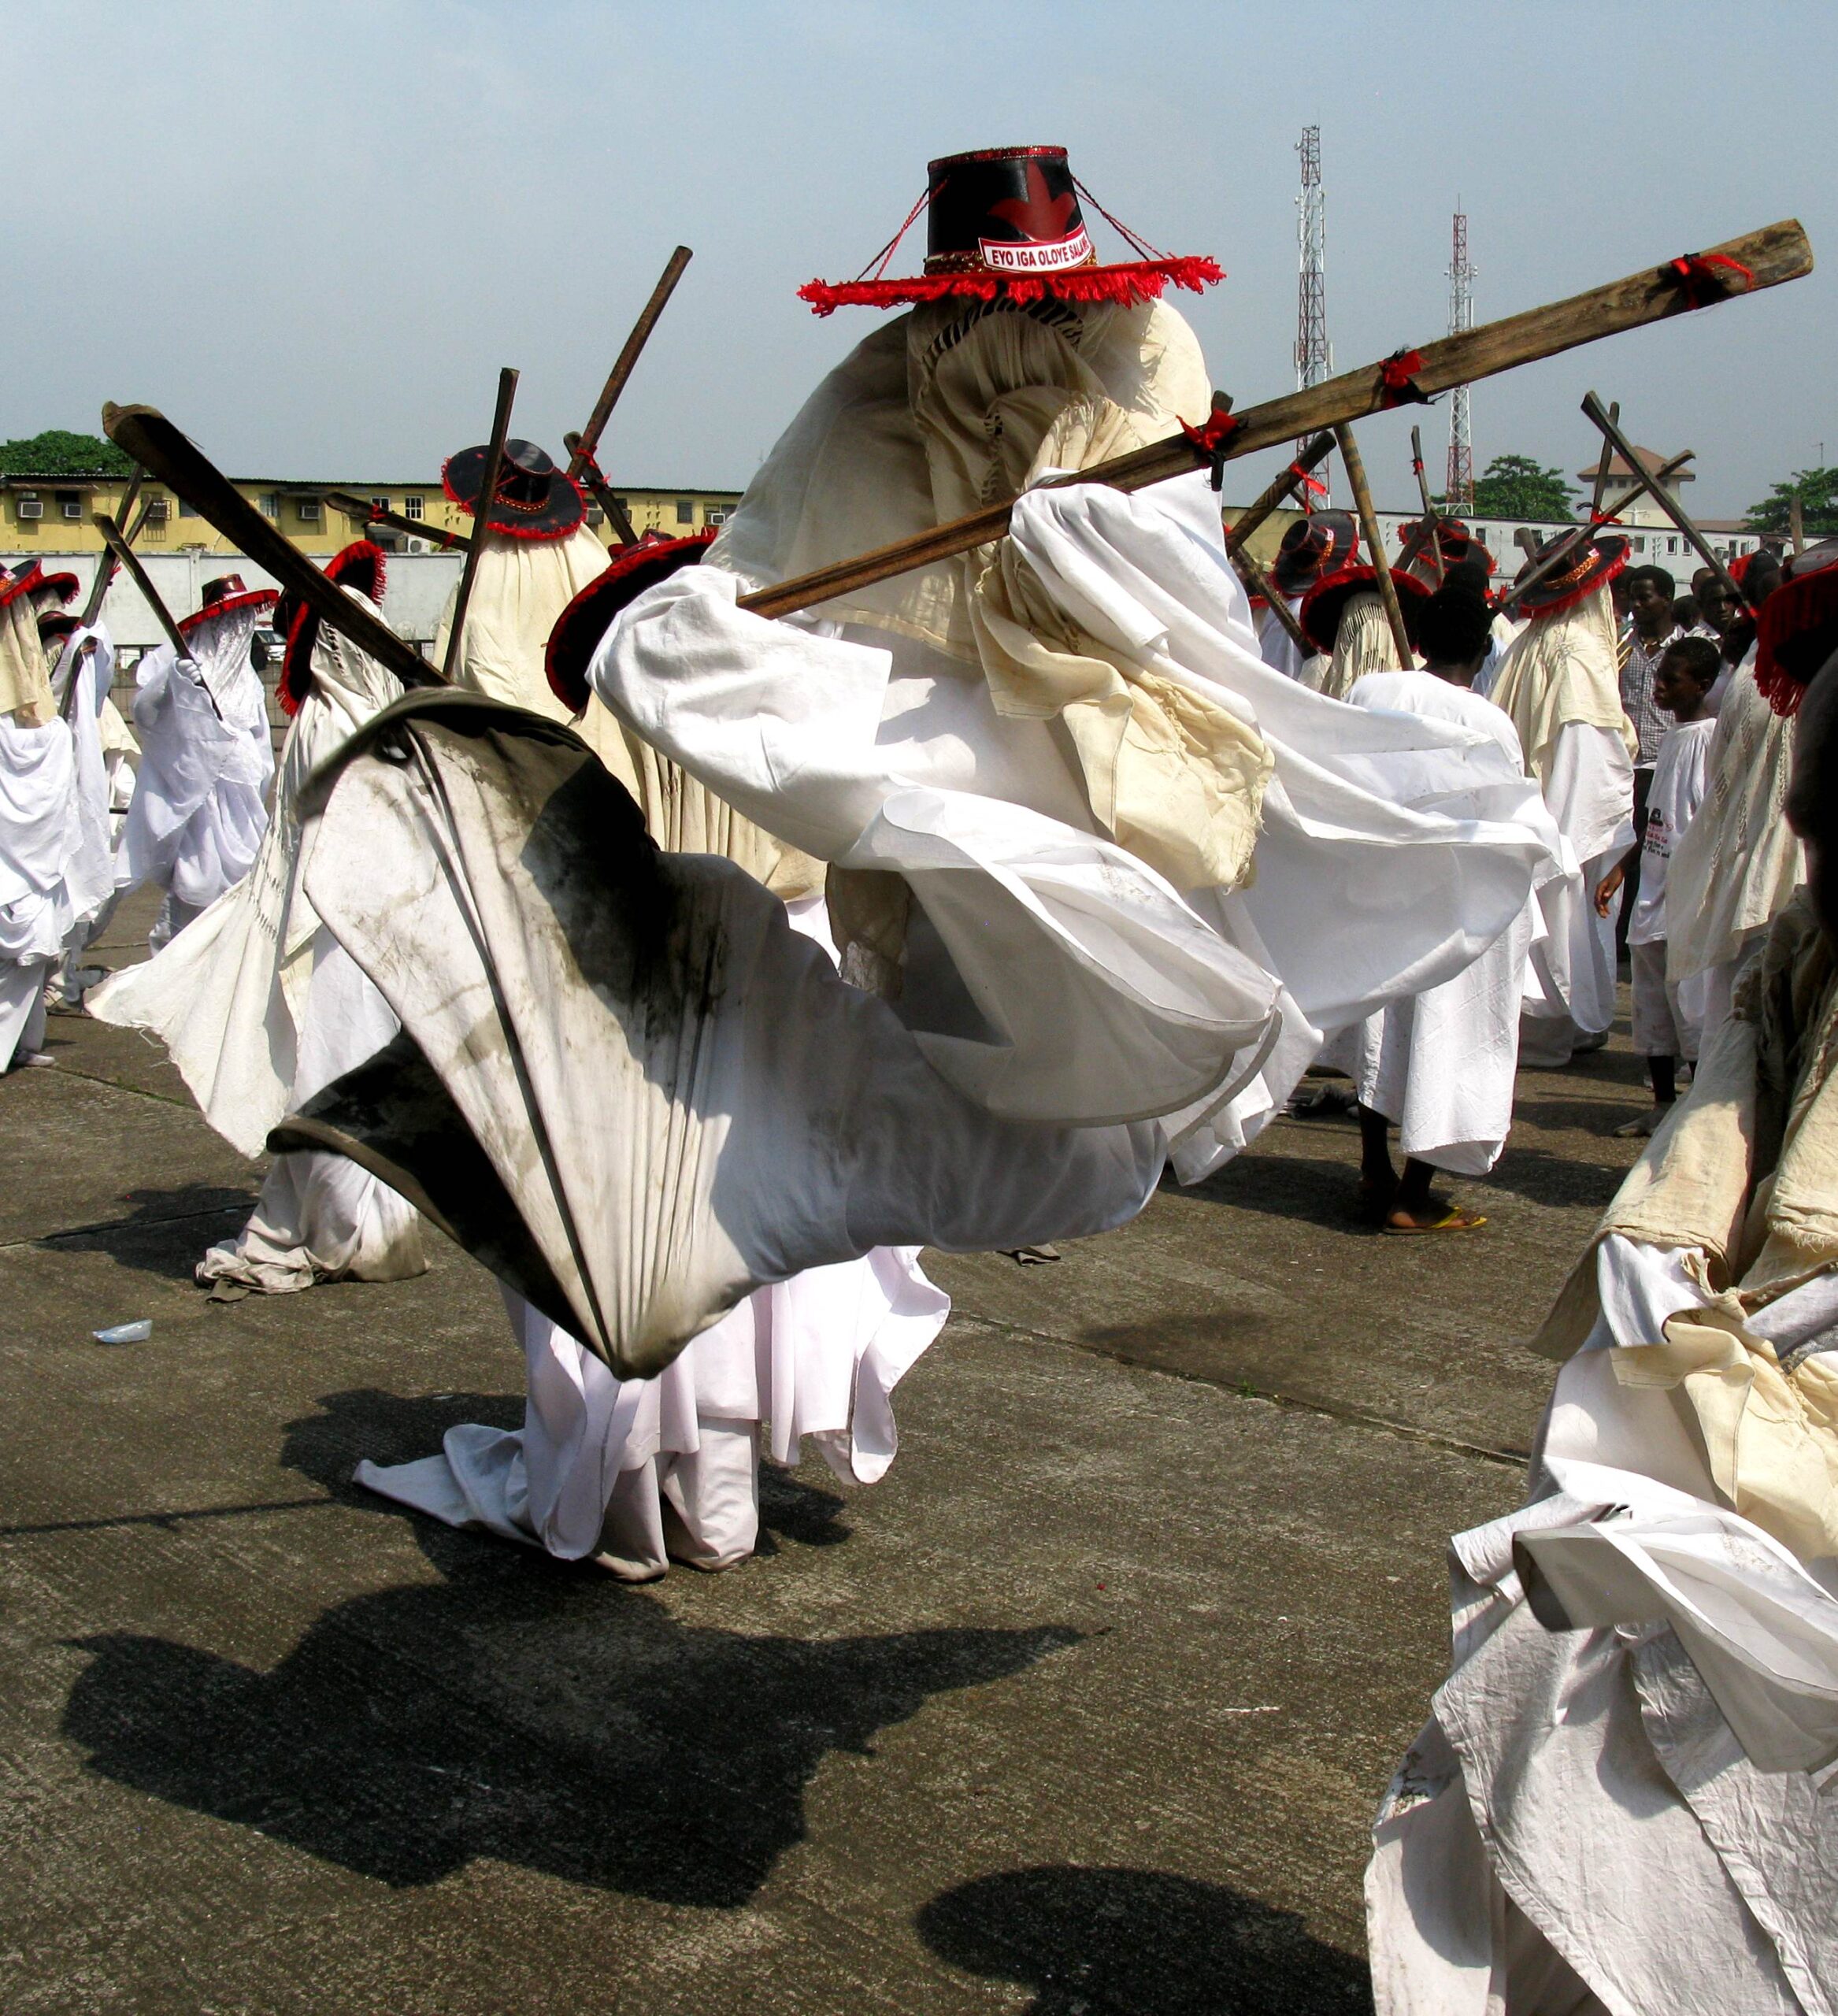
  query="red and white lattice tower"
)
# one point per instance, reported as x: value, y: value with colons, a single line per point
x: 1458, y: 492
x: 1314, y: 354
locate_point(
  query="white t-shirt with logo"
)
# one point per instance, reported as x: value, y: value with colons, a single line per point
x: 1678, y: 775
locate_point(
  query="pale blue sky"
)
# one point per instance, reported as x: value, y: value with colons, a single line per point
x: 311, y: 233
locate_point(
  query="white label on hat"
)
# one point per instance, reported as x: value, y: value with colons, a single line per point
x: 1045, y: 258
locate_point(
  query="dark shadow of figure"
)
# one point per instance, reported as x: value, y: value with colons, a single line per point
x: 165, y: 1233
x: 1133, y: 1942
x: 532, y: 1711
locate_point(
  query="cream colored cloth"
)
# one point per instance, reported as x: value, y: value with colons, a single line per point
x: 1736, y: 865
x: 25, y: 681
x: 1560, y: 668
x: 521, y: 588
x: 960, y: 405
x: 1362, y: 643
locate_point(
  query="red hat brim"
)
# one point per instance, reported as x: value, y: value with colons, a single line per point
x: 463, y: 475
x: 250, y: 598
x: 362, y: 565
x: 580, y: 626
x: 1796, y: 632
x: 1325, y: 603
x: 1134, y: 280
x: 1551, y: 598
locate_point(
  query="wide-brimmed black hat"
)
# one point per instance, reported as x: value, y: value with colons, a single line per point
x: 221, y: 596
x: 1797, y: 629
x: 1313, y: 548
x: 536, y: 500
x: 1458, y: 545
x: 360, y: 566
x: 58, y: 623
x: 1598, y: 560
x: 1006, y: 221
x: 1325, y: 603
x: 580, y: 626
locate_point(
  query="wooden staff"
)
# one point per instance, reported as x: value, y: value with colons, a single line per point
x: 616, y: 512
x: 1570, y: 541
x: 362, y: 510
x: 1796, y: 525
x: 1776, y: 253
x: 152, y: 439
x: 1278, y: 493
x: 1432, y: 524
x: 1381, y: 572
x: 1592, y: 409
x: 1260, y: 583
x: 98, y: 588
x: 137, y: 574
x: 481, y: 517
x: 588, y: 441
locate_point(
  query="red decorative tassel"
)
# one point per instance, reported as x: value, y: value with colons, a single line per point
x: 1796, y: 631
x: 1211, y: 438
x: 1143, y: 279
x: 1696, y: 277
x: 1398, y: 380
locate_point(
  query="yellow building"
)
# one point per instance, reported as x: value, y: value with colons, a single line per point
x: 52, y: 514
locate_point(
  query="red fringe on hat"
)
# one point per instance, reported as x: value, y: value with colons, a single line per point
x: 1142, y: 279
x: 1796, y: 631
x: 293, y: 686
x: 546, y: 535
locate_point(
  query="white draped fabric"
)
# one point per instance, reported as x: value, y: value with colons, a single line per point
x: 598, y: 1467
x: 259, y: 1010
x: 39, y: 840
x: 197, y: 816
x: 89, y: 659
x: 1279, y: 651
x: 1441, y: 1064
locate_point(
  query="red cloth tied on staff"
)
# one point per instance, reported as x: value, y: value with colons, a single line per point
x: 1211, y: 438
x: 1398, y: 378
x: 1697, y: 277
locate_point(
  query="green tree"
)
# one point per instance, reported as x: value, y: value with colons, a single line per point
x: 1817, y: 492
x: 1516, y: 486
x: 58, y: 452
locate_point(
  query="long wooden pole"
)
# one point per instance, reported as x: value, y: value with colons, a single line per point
x: 617, y: 515
x: 1593, y: 409
x: 1568, y: 543
x: 1432, y: 524
x: 366, y: 513
x: 1276, y: 494
x: 105, y: 575
x: 481, y: 518
x: 1773, y: 255
x: 585, y: 447
x: 130, y: 559
x: 152, y: 439
x: 1796, y: 524
x: 1354, y: 465
x: 1260, y: 583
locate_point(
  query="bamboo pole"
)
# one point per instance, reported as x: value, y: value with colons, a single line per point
x: 1592, y: 409
x: 1354, y: 465
x: 481, y: 517
x: 1313, y: 454
x: 152, y: 439
x: 366, y: 513
x: 1776, y: 253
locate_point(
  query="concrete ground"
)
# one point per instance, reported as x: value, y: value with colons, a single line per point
x: 1084, y: 1709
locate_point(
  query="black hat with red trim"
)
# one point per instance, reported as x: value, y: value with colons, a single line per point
x: 1313, y: 548
x: 1006, y: 221
x: 1458, y: 546
x: 1600, y: 559
x: 534, y: 499
x: 221, y: 596
x: 47, y: 588
x: 58, y: 623
x: 580, y: 626
x: 23, y: 579
x: 360, y: 566
x: 1326, y: 602
x: 1796, y: 630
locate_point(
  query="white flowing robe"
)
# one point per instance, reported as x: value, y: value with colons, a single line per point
x: 1441, y: 1064
x: 1279, y: 651
x: 198, y: 813
x: 260, y: 1009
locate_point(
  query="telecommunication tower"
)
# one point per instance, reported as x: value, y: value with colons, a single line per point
x: 1314, y: 355
x: 1458, y: 491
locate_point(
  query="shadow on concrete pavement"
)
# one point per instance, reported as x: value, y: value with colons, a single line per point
x: 1135, y: 1942
x: 165, y: 1233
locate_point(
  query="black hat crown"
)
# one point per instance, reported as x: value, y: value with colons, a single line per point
x: 1005, y: 210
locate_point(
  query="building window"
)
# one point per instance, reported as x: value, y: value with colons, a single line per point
x: 624, y: 504
x: 271, y: 504
x: 307, y: 510
x: 158, y: 511
x: 27, y: 506
x: 413, y: 507
x: 685, y: 510
x: 1671, y: 544
x: 187, y: 510
x: 70, y: 503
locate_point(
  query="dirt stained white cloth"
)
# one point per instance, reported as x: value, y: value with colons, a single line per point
x: 1440, y: 1065
x: 259, y: 1010
x: 198, y: 813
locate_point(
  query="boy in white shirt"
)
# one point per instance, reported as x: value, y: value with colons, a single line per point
x: 1667, y: 1021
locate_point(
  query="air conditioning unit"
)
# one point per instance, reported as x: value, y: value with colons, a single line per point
x: 417, y: 546
x: 73, y: 510
x: 32, y: 507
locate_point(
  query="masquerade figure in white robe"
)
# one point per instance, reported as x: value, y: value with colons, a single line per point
x: 1038, y: 775
x: 1558, y: 684
x: 260, y: 1009
x: 199, y: 809
x: 1345, y: 620
x: 1311, y: 549
x: 632, y: 1474
x: 104, y: 782
x: 1623, y: 1799
x: 41, y: 856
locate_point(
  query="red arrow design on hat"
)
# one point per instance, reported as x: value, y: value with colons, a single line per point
x: 1023, y: 213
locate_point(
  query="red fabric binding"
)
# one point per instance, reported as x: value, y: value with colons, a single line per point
x: 1696, y: 278
x: 1141, y: 281
x: 1211, y: 438
x: 1312, y: 485
x: 1398, y: 380
x: 1795, y: 631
